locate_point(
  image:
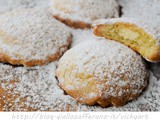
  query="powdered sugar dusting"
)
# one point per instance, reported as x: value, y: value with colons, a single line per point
x: 40, y: 76
x: 80, y: 35
x: 9, y: 5
x: 148, y: 101
x: 112, y: 65
x: 37, y: 87
x: 145, y: 9
x: 28, y: 33
x: 84, y: 10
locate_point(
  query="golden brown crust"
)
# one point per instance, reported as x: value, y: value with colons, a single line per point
x: 74, y: 24
x: 77, y: 94
x: 112, y: 101
x: 98, y: 76
x: 7, y: 59
x: 31, y: 40
x: 154, y: 57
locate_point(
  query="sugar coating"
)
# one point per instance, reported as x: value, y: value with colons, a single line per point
x: 40, y: 76
x: 8, y: 5
x: 146, y: 9
x: 37, y: 86
x: 32, y: 34
x: 84, y: 10
x: 148, y: 101
x: 108, y: 62
x: 151, y: 27
x: 80, y: 36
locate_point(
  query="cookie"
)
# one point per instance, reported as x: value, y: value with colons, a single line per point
x: 31, y: 37
x: 32, y: 89
x: 81, y: 13
x: 102, y: 72
x: 143, y: 37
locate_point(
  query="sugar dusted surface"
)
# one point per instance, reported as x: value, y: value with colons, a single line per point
x: 145, y: 9
x: 108, y: 62
x: 8, y: 5
x: 84, y: 10
x: 37, y: 86
x: 80, y: 36
x: 42, y: 80
x: 150, y: 26
x: 148, y: 101
x: 28, y: 33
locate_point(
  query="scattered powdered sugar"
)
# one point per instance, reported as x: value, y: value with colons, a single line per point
x: 32, y: 34
x: 80, y: 35
x: 42, y: 80
x: 148, y: 101
x: 8, y: 5
x: 38, y: 88
x: 151, y: 26
x: 145, y: 9
x: 84, y: 10
x: 92, y: 95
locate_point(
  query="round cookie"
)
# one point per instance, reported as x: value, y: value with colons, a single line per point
x: 32, y: 89
x: 31, y: 37
x: 102, y: 72
x: 140, y: 35
x: 81, y: 13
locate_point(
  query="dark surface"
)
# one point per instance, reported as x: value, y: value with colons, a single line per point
x: 155, y: 68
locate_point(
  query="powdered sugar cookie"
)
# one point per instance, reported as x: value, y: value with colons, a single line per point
x: 141, y: 36
x: 102, y: 72
x: 32, y: 89
x: 81, y: 13
x: 31, y: 37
